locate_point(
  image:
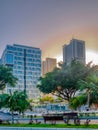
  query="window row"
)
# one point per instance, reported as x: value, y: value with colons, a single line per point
x: 32, y: 50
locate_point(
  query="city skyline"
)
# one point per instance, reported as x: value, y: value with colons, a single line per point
x: 49, y: 25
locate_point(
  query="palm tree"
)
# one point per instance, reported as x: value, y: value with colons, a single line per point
x: 89, y: 87
x: 6, y: 77
x: 76, y: 102
x: 17, y: 102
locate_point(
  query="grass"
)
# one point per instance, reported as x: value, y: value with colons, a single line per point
x: 52, y: 126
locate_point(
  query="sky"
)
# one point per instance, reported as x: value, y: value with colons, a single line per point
x: 49, y: 24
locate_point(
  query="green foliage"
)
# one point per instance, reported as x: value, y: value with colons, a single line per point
x: 90, y: 88
x: 6, y: 77
x: 48, y: 83
x: 3, y: 98
x: 18, y: 102
x: 77, y: 102
x: 49, y: 125
x: 63, y: 81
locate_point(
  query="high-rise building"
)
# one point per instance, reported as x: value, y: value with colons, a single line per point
x: 25, y: 62
x: 48, y: 65
x: 74, y: 51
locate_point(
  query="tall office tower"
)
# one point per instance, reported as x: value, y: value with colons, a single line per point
x: 48, y: 65
x: 74, y: 51
x: 25, y: 62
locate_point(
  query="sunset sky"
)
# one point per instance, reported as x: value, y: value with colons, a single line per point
x: 49, y: 24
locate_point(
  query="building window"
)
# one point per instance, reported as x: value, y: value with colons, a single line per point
x: 9, y: 59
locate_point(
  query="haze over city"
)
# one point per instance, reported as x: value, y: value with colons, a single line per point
x: 49, y: 24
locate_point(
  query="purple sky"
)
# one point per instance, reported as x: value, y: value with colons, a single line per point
x: 49, y: 24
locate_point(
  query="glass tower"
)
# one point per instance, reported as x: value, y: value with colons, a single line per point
x: 25, y: 62
x: 74, y: 51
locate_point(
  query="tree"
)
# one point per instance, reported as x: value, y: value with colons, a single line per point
x: 76, y: 102
x: 6, y: 77
x: 63, y: 81
x: 3, y: 98
x: 90, y: 88
x: 17, y: 102
x: 22, y: 102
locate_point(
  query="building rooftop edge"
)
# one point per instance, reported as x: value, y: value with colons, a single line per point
x: 25, y: 46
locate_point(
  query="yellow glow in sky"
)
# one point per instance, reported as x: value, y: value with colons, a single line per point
x: 92, y: 56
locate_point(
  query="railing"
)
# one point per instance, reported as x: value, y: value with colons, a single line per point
x: 65, y: 117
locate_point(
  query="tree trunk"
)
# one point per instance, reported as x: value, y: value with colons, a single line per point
x: 12, y: 117
x: 88, y: 99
